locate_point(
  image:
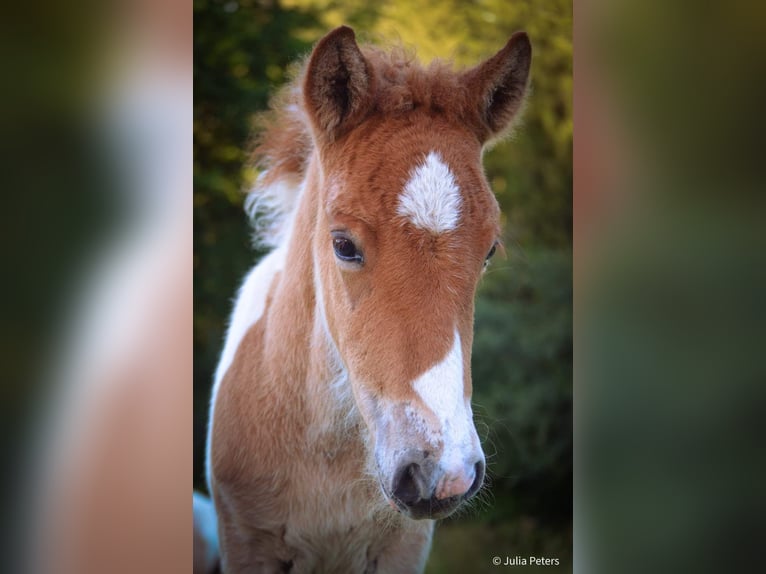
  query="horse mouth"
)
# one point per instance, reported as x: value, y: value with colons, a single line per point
x: 431, y: 508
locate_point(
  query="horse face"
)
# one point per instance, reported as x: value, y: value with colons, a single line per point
x: 405, y: 224
x: 404, y: 231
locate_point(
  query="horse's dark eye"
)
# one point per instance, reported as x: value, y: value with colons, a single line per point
x: 345, y: 250
x: 491, y: 253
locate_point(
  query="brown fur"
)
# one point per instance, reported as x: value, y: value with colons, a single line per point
x: 293, y: 475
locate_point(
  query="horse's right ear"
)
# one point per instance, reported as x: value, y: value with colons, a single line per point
x: 337, y: 85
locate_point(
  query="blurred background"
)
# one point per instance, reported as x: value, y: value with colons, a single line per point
x: 96, y: 296
x: 670, y: 277
x: 522, y: 361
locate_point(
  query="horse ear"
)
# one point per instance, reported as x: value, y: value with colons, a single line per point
x: 498, y: 86
x: 337, y: 85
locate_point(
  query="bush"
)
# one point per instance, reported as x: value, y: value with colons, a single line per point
x: 522, y: 373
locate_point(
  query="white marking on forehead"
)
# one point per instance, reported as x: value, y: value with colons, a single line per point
x: 431, y: 198
x: 441, y: 389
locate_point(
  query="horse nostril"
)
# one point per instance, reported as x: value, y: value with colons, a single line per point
x: 477, y: 481
x: 408, y: 484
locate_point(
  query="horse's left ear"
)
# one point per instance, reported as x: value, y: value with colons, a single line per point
x: 337, y: 85
x: 497, y: 86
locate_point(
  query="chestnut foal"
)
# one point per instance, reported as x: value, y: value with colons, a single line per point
x: 341, y: 423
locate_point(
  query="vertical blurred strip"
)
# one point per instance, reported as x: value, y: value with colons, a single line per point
x: 670, y: 277
x: 96, y: 335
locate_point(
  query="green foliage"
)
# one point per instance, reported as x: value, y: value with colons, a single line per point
x: 522, y: 371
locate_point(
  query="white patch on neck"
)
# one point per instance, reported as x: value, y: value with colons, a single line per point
x: 250, y: 305
x: 441, y: 389
x: 431, y: 198
x: 248, y: 309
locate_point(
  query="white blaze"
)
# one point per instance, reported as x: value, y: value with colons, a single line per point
x: 441, y: 389
x: 431, y: 198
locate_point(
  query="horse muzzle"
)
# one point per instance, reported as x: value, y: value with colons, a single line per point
x: 422, y: 489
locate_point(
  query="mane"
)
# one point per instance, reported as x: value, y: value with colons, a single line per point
x: 285, y: 144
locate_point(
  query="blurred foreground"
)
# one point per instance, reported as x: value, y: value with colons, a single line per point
x: 96, y: 396
x: 670, y: 276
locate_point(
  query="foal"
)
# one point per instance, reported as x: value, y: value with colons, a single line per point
x: 341, y: 421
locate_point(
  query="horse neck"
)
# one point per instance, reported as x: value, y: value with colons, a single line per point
x: 308, y: 358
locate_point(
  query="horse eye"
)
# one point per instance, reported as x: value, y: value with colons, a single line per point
x: 491, y: 253
x: 345, y: 250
